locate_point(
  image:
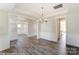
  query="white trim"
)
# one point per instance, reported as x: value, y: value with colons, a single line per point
x: 31, y: 35
x: 4, y: 42
x: 72, y: 39
x: 48, y: 36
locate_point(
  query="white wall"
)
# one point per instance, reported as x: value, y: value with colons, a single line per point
x: 32, y: 28
x: 48, y: 30
x: 4, y: 39
x: 12, y: 28
x: 73, y: 29
x: 14, y: 20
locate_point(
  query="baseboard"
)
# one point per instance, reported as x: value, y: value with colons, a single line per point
x: 48, y: 36
x: 72, y: 39
x: 71, y: 46
x: 31, y: 35
x: 6, y: 50
x: 47, y: 40
x: 4, y: 42
x: 43, y: 39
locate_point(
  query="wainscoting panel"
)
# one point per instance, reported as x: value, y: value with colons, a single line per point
x: 48, y: 36
x: 72, y: 39
x: 4, y: 42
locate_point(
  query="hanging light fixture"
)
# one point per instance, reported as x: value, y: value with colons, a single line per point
x: 42, y: 19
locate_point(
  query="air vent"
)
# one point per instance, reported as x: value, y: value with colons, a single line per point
x: 58, y: 6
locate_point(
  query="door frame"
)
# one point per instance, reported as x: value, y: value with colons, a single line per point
x: 58, y: 19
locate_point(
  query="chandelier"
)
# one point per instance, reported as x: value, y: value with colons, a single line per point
x: 42, y: 18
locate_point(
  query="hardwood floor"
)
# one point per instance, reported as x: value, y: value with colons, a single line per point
x: 33, y: 46
x: 72, y: 50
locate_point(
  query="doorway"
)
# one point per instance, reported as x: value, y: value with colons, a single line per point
x: 61, y: 34
x: 61, y: 28
x: 22, y: 28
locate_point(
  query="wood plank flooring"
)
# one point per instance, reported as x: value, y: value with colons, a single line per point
x: 33, y: 46
x: 72, y: 50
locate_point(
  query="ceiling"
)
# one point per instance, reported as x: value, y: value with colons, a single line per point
x: 7, y: 6
x: 33, y: 10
